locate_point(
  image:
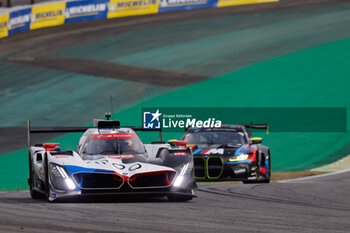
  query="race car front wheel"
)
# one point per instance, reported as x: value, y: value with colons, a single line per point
x: 47, y: 182
x: 259, y: 178
x: 255, y: 180
x: 33, y: 193
x: 267, y: 180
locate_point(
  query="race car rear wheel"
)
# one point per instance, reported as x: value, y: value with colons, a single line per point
x: 33, y: 193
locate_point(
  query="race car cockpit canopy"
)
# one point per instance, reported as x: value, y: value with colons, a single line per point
x: 113, y: 144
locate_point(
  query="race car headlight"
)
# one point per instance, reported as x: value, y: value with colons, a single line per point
x: 179, y: 179
x: 70, y: 184
x: 239, y: 157
x: 60, y: 178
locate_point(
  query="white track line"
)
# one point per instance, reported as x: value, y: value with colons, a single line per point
x: 313, y: 177
x: 19, y: 191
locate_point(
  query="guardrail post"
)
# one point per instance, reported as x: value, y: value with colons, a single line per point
x: 28, y: 133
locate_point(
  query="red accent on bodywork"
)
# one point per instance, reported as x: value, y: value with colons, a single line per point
x: 263, y: 170
x: 205, y: 151
x: 182, y: 144
x: 120, y: 156
x: 133, y: 177
x: 125, y: 178
x: 113, y: 136
x: 62, y: 156
x: 252, y: 155
x: 50, y: 146
x: 103, y: 136
x: 122, y: 177
x: 126, y: 135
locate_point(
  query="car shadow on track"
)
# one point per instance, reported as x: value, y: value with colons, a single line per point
x: 85, y: 199
x: 110, y: 199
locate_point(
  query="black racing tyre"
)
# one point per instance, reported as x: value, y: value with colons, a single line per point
x: 258, y: 179
x: 266, y: 181
x: 33, y: 193
x: 257, y: 175
x: 169, y: 160
x: 250, y: 181
x: 179, y: 198
x: 47, y: 183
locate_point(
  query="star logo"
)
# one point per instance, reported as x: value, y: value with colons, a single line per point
x: 151, y: 120
x: 156, y: 115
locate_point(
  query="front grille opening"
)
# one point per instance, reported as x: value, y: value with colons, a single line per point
x: 152, y: 179
x: 98, y: 180
x: 199, y: 167
x: 214, y: 167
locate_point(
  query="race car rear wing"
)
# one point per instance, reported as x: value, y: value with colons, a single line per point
x: 249, y: 127
x: 105, y: 124
x: 252, y: 126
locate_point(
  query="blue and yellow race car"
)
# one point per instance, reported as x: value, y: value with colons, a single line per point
x: 229, y: 153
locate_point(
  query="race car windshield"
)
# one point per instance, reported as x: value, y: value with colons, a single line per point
x: 113, y: 145
x: 215, y: 138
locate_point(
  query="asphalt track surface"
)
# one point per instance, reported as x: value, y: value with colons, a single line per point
x: 312, y: 205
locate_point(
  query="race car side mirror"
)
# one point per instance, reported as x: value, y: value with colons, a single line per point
x: 255, y: 140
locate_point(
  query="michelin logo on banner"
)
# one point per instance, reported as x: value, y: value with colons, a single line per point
x: 131, y: 4
x: 19, y: 21
x: 47, y: 15
x: 176, y: 5
x: 122, y: 8
x: 86, y: 10
x: 153, y: 120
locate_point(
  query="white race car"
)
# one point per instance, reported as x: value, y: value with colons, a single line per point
x: 109, y: 160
